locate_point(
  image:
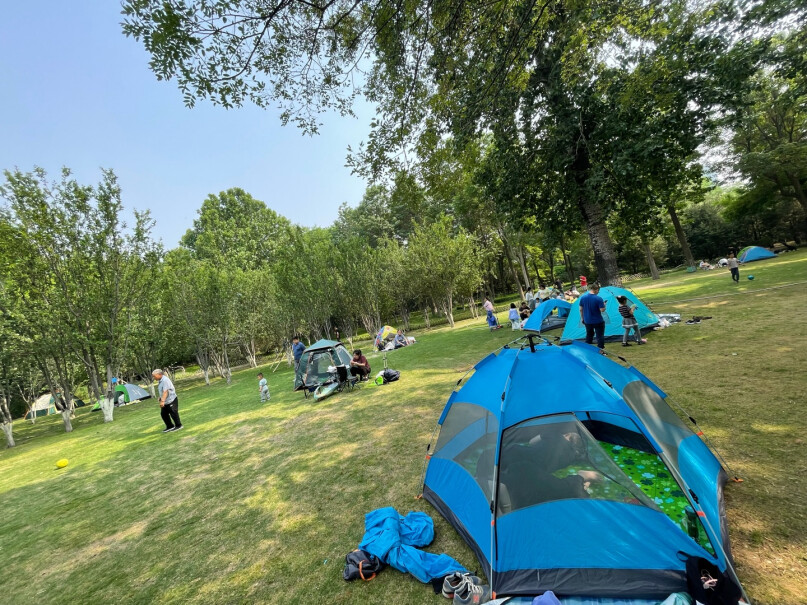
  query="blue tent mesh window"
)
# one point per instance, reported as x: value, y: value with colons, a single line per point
x: 468, y: 437
x: 556, y: 458
x: 660, y: 420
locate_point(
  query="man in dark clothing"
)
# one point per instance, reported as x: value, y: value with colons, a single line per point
x: 297, y: 349
x: 591, y: 309
x: 359, y: 366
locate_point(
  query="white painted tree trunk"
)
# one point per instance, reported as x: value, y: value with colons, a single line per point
x: 9, y: 437
x: 68, y: 426
x: 107, y: 407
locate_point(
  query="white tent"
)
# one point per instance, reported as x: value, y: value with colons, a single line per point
x: 42, y: 406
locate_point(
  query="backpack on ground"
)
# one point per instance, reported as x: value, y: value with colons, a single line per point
x: 359, y: 564
x: 388, y: 375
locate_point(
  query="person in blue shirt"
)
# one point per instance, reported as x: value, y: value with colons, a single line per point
x: 297, y: 349
x: 591, y: 309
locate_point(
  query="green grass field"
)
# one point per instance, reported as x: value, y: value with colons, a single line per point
x: 255, y: 503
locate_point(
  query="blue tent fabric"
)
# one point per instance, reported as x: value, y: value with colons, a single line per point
x: 395, y: 539
x: 591, y: 544
x: 542, y: 319
x: 753, y: 253
x: 575, y: 330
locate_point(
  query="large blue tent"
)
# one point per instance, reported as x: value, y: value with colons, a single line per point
x: 544, y: 317
x: 752, y: 253
x: 511, y: 471
x: 575, y: 330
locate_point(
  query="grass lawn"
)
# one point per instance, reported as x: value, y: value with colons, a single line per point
x: 255, y: 503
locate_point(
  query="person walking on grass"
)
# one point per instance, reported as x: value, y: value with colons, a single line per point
x: 628, y: 321
x: 591, y: 309
x: 734, y: 266
x: 263, y: 387
x: 169, y: 402
x: 515, y: 322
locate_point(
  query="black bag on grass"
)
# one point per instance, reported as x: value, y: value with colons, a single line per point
x: 359, y: 564
x: 390, y: 375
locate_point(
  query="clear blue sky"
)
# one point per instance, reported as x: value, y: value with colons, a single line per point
x: 77, y: 93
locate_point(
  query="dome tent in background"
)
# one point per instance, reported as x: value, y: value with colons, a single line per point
x: 575, y: 330
x: 553, y: 414
x: 752, y: 253
x: 542, y: 318
x: 44, y: 406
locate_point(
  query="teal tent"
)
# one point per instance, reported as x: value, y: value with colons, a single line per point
x: 316, y: 359
x: 575, y: 330
x: 751, y: 253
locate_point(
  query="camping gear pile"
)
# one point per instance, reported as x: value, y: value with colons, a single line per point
x: 585, y: 457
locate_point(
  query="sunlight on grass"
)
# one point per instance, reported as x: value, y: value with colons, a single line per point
x: 255, y: 503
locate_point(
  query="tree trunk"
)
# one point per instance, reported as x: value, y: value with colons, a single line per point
x: 651, y: 262
x: 204, y: 365
x: 473, y: 308
x: 229, y: 375
x: 68, y: 427
x: 509, y: 258
x: 568, y: 261
x: 523, y: 264
x: 107, y: 408
x: 426, y: 317
x: 448, y: 309
x: 7, y: 426
x: 250, y: 352
x: 405, y: 317
x: 682, y: 238
x: 604, y: 254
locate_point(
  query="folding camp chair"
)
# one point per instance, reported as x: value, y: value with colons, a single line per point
x: 346, y: 379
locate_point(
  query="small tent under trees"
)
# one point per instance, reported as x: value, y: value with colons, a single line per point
x: 575, y: 330
x: 315, y: 361
x: 549, y: 315
x: 752, y: 253
x: 45, y: 406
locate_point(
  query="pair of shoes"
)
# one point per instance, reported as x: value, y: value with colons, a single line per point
x: 472, y: 594
x: 454, y: 582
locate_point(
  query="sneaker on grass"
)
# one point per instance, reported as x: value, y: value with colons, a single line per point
x: 472, y: 594
x: 168, y: 430
x: 455, y: 581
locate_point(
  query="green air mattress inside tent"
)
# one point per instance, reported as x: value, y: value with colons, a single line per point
x: 650, y: 475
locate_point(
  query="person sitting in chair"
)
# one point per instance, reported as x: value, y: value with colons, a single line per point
x: 359, y: 366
